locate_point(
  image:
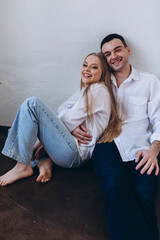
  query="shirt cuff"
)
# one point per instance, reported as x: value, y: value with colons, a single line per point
x: 155, y: 137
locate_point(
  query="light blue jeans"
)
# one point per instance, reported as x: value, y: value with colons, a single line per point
x: 35, y: 120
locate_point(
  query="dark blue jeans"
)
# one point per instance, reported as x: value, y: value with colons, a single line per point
x: 129, y: 195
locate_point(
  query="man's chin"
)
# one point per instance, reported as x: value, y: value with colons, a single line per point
x: 116, y: 68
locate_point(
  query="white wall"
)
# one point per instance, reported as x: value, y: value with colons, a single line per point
x: 43, y: 44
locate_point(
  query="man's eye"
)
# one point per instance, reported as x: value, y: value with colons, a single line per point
x: 84, y: 65
x: 107, y: 55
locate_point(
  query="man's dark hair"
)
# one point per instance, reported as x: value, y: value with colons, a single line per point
x: 111, y: 37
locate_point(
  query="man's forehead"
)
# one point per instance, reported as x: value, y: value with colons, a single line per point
x: 109, y: 46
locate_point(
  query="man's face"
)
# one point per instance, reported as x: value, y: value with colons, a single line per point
x: 116, y: 54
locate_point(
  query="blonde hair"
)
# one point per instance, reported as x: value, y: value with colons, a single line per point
x: 113, y: 129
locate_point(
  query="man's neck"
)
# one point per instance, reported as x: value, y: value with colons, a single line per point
x: 122, y: 75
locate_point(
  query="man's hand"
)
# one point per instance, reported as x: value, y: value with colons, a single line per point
x: 148, y: 158
x: 81, y: 134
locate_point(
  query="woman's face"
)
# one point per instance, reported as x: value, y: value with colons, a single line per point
x: 91, y: 70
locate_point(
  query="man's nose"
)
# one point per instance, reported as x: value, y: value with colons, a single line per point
x: 114, y: 55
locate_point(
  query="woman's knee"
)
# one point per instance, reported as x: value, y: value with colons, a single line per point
x: 32, y: 101
x: 32, y: 104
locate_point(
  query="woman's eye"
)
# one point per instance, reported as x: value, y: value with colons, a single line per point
x: 84, y: 65
x: 95, y: 67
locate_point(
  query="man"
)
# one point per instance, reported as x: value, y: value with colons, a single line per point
x: 127, y: 168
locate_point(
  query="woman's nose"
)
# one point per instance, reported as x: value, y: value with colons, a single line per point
x: 88, y: 68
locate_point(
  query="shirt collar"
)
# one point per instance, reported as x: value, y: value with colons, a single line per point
x: 133, y: 76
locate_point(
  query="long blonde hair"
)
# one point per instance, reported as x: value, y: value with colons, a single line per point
x: 113, y: 129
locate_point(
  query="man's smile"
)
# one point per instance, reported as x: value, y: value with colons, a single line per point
x: 117, y: 61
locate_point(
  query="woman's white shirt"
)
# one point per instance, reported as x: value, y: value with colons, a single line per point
x: 73, y: 113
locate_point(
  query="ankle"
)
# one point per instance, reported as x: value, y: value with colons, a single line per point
x: 22, y: 166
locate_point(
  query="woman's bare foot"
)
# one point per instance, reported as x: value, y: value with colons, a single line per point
x: 20, y: 170
x: 45, y: 170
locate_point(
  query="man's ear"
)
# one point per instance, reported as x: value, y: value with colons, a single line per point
x: 129, y: 50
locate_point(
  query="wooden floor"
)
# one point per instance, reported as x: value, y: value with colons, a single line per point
x: 70, y: 207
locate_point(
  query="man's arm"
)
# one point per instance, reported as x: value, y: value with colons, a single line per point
x: 148, y: 158
x: 81, y: 134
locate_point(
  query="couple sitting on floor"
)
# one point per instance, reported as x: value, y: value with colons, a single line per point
x: 108, y: 119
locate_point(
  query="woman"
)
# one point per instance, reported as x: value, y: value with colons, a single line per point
x: 93, y: 105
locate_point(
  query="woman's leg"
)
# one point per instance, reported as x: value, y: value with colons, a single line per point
x: 34, y: 120
x: 21, y: 170
x: 45, y: 170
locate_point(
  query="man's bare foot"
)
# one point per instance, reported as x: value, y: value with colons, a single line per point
x: 20, y: 170
x: 45, y: 170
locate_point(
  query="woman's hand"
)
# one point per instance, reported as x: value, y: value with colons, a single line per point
x: 38, y: 151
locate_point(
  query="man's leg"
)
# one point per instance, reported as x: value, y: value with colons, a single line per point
x: 124, y: 219
x: 145, y: 189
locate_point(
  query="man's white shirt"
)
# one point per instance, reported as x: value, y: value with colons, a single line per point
x: 138, y: 102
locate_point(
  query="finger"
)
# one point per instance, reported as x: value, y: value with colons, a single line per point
x: 157, y: 170
x: 83, y: 127
x: 84, y: 134
x: 146, y: 166
x: 138, y: 155
x: 141, y: 163
x: 151, y: 169
x: 84, y: 137
x: 36, y: 145
x: 37, y: 153
x: 82, y: 141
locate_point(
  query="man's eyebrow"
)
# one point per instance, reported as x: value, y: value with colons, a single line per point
x: 117, y: 47
x: 113, y: 49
